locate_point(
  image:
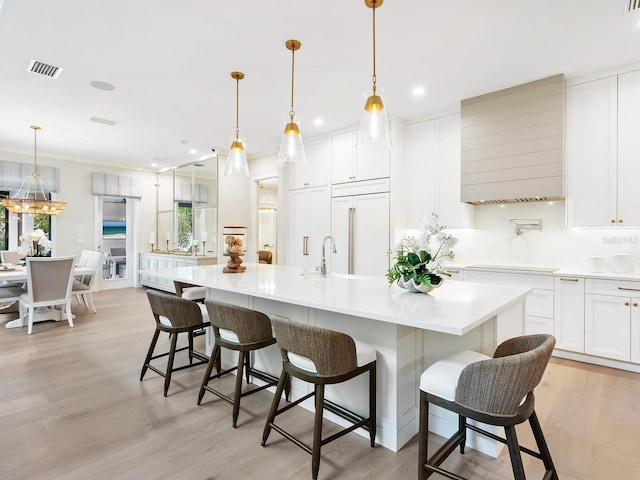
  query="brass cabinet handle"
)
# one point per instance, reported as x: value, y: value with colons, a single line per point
x: 568, y: 279
x: 305, y: 245
x: 613, y: 221
x: 635, y: 304
x: 629, y: 289
x: 626, y: 304
x: 453, y: 271
x: 620, y: 221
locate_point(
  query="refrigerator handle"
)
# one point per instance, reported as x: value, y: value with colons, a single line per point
x: 352, y: 212
x: 305, y: 245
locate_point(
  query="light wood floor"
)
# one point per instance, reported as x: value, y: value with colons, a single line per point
x: 72, y: 407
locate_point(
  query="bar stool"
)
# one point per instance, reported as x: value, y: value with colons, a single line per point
x: 190, y: 291
x: 243, y: 330
x: 321, y: 357
x: 495, y: 391
x: 173, y: 315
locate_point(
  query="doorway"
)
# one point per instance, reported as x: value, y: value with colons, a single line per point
x: 267, y: 219
x: 115, y: 241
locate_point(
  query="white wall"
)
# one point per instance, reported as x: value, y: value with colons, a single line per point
x: 74, y: 229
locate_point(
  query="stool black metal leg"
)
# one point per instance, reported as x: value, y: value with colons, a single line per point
x: 317, y: 432
x: 190, y: 335
x: 238, y: 391
x: 372, y: 406
x: 284, y: 380
x: 215, y: 355
x: 172, y: 354
x: 514, y: 453
x: 462, y: 428
x: 423, y: 439
x: 542, y: 446
x: 156, y: 334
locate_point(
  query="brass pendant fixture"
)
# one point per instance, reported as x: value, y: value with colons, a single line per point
x: 291, y: 147
x: 374, y: 125
x: 32, y: 196
x: 237, y: 158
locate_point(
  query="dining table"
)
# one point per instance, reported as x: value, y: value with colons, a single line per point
x: 17, y: 274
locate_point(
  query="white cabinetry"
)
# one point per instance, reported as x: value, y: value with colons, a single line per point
x: 609, y: 308
x: 309, y: 215
x: 152, y: 261
x: 602, y: 152
x: 539, y: 302
x: 350, y: 164
x: 317, y: 169
x: 360, y: 227
x: 568, y: 315
x: 433, y: 180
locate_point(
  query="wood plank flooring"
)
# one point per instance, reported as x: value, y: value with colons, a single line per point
x: 72, y: 407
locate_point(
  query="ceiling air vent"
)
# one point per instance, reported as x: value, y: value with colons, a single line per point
x: 45, y: 69
x: 631, y: 5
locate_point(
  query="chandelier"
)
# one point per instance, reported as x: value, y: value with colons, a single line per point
x: 32, y: 196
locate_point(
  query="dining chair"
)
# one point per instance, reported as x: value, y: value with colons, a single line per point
x: 9, y: 256
x: 49, y: 281
x: 84, y: 285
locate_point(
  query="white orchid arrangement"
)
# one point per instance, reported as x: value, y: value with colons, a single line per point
x: 423, y: 258
x: 34, y: 244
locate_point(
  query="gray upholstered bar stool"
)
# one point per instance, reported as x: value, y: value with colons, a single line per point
x: 243, y: 330
x: 174, y: 315
x: 321, y: 357
x: 495, y: 391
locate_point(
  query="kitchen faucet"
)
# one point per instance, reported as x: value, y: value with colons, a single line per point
x: 323, y: 261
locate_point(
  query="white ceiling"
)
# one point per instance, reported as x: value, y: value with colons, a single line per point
x: 170, y: 61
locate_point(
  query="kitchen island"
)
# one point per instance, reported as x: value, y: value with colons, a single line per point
x: 409, y: 330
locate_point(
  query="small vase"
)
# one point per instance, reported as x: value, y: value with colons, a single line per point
x: 413, y: 286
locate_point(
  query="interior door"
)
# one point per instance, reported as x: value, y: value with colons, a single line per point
x: 115, y: 239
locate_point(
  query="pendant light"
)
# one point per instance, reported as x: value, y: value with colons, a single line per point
x: 33, y: 195
x: 237, y: 158
x: 291, y: 147
x: 374, y: 125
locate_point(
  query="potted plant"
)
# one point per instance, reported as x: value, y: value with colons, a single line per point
x: 419, y: 261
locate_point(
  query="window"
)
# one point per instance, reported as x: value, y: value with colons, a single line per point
x: 4, y: 224
x: 185, y: 226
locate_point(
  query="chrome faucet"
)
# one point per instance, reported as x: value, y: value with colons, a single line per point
x: 323, y: 260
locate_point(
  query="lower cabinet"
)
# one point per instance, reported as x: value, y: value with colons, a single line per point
x: 569, y: 313
x: 612, y: 319
x: 151, y: 261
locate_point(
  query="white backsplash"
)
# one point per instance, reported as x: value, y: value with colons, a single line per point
x: 492, y: 240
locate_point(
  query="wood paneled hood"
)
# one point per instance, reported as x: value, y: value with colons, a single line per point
x: 513, y: 144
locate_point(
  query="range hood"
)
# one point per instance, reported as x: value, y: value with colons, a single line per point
x: 512, y: 144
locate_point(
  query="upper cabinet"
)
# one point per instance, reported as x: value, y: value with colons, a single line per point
x: 316, y: 172
x: 350, y: 164
x: 602, y: 152
x: 433, y: 154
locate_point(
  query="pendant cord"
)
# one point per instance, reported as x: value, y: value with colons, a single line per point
x: 292, y: 113
x: 374, y: 46
x: 237, y: 107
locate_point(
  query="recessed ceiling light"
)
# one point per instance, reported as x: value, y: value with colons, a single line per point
x: 418, y: 91
x: 154, y: 164
x: 318, y: 121
x: 102, y: 85
x: 193, y: 151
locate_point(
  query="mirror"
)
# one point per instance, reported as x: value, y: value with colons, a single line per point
x: 187, y: 209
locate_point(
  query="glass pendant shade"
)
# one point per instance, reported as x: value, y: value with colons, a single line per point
x: 374, y: 124
x: 291, y: 147
x: 237, y: 160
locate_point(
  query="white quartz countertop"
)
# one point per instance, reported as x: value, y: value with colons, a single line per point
x: 548, y: 270
x: 456, y: 307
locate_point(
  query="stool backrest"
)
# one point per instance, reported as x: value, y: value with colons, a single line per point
x: 179, y: 312
x: 497, y: 386
x: 333, y: 353
x: 250, y: 326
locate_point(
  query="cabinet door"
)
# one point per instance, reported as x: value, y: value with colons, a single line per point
x: 635, y: 330
x: 297, y: 227
x: 318, y: 221
x: 317, y: 169
x: 421, y: 157
x: 342, y: 157
x: 628, y: 149
x: 568, y: 315
x: 371, y: 162
x: 592, y: 154
x: 608, y: 327
x: 365, y: 252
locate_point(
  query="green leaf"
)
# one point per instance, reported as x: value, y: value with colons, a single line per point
x: 413, y: 258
